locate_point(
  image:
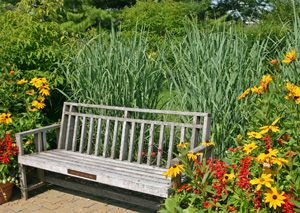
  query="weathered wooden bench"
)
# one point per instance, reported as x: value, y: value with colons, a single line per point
x: 91, y: 146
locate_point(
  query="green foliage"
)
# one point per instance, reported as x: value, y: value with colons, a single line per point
x: 156, y: 17
x: 111, y: 72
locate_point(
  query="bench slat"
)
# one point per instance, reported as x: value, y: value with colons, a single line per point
x: 82, y: 138
x: 115, y: 137
x: 182, y: 135
x: 141, y: 143
x: 171, y: 146
x: 90, y: 140
x: 98, y: 137
x: 161, y: 143
x: 150, y: 146
x: 195, y: 133
x: 124, y: 137
x: 132, y: 139
x: 75, y: 133
x: 106, y: 138
x: 44, y: 139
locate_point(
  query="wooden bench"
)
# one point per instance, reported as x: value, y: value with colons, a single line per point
x: 121, y: 147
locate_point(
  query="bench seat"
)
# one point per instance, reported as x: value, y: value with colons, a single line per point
x: 132, y: 176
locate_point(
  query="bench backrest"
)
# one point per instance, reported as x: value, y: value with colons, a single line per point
x: 128, y: 133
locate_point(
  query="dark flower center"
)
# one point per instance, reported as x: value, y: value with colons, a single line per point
x: 174, y: 166
x: 274, y: 197
x: 226, y: 177
x: 250, y: 147
x: 228, y: 172
x: 267, y: 152
x: 296, y: 97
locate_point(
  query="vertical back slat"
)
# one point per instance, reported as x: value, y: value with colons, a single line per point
x: 160, y: 145
x: 124, y: 137
x: 141, y: 143
x: 70, y: 129
x: 44, y: 139
x: 106, y: 139
x: 82, y: 138
x: 150, y: 146
x: 132, y: 139
x: 74, y: 141
x: 195, y: 133
x: 64, y: 123
x: 171, y: 146
x: 182, y: 135
x: 90, y: 140
x: 98, y: 136
x: 115, y: 138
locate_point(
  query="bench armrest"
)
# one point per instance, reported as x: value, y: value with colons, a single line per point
x: 39, y: 137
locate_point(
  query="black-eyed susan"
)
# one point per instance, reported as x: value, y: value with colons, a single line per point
x: 207, y: 143
x: 32, y: 109
x: 174, y: 171
x: 266, y: 129
x: 41, y: 99
x: 29, y: 92
x: 193, y: 156
x: 290, y: 57
x: 228, y: 176
x: 266, y: 156
x: 274, y: 197
x: 36, y: 82
x: 183, y: 145
x: 279, y: 161
x: 256, y: 135
x: 38, y: 105
x: 250, y: 147
x: 44, y: 90
x: 22, y: 81
x: 5, y: 118
x: 244, y: 94
x: 265, y: 179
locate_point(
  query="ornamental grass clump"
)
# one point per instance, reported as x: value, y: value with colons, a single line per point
x: 261, y: 172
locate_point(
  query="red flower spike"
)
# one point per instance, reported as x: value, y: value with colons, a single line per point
x: 143, y: 153
x: 153, y: 153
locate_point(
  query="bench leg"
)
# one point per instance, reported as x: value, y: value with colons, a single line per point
x: 23, y: 181
x: 41, y: 175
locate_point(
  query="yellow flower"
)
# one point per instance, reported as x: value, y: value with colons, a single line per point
x: 29, y: 92
x: 228, y: 176
x: 263, y: 180
x: 183, y: 144
x: 44, y: 90
x: 257, y: 90
x: 207, y: 143
x: 38, y: 104
x: 256, y: 135
x: 36, y: 82
x: 266, y: 129
x: 43, y: 80
x: 29, y: 142
x: 22, y: 81
x: 13, y: 145
x: 193, y: 156
x: 32, y: 109
x: 250, y: 147
x: 41, y: 99
x: 290, y: 57
x: 274, y: 197
x: 244, y: 94
x: 5, y: 118
x: 266, y: 156
x: 294, y: 93
x: 174, y: 171
x: 152, y: 54
x: 279, y: 161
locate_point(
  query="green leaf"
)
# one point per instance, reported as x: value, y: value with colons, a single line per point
x: 170, y: 204
x: 296, y: 203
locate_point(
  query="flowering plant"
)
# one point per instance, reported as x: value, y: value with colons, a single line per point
x: 8, y: 160
x: 261, y: 173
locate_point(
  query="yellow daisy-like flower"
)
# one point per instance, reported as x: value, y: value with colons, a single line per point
x: 41, y: 99
x: 29, y: 92
x: 36, y: 82
x: 22, y: 81
x: 290, y: 57
x: 244, y: 94
x: 266, y: 80
x: 183, y: 145
x: 174, y: 171
x: 274, y: 197
x: 44, y: 90
x: 265, y: 179
x: 266, y: 129
x: 256, y: 135
x: 193, y: 156
x: 294, y: 93
x: 43, y: 80
x: 257, y: 90
x: 279, y: 161
x: 5, y: 118
x: 38, y: 104
x: 32, y: 109
x: 207, y: 143
x: 228, y: 176
x: 29, y: 142
x: 266, y: 156
x: 267, y: 171
x: 250, y: 147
